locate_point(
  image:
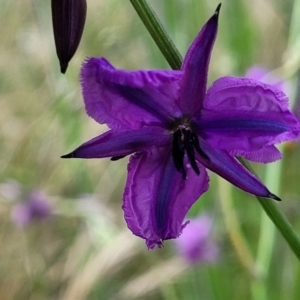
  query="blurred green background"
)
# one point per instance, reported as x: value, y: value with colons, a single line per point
x: 84, y: 250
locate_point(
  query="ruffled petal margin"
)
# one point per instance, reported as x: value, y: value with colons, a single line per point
x: 266, y: 154
x: 157, y: 198
x: 245, y: 115
x: 129, y: 99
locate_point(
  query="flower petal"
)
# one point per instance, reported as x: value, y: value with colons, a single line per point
x: 121, y: 143
x: 228, y: 167
x: 243, y: 114
x: 264, y: 155
x: 195, y: 67
x: 157, y: 198
x: 129, y: 99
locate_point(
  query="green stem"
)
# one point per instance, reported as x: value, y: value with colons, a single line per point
x: 278, y: 218
x: 158, y: 33
x: 172, y: 55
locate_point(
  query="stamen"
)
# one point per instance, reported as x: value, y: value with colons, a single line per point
x: 178, y: 152
x: 189, y: 147
x: 197, y: 146
x: 185, y: 140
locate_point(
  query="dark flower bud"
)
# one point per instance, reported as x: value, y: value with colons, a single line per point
x: 68, y: 18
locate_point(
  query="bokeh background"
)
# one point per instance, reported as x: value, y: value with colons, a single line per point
x: 84, y: 250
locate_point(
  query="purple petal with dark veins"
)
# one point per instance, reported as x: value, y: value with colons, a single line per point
x: 228, y: 167
x: 241, y: 114
x: 157, y: 198
x: 121, y: 143
x: 195, y: 67
x: 68, y: 18
x: 129, y: 99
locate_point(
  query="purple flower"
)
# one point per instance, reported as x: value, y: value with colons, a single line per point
x: 35, y: 208
x: 264, y: 75
x: 195, y: 243
x: 68, y: 18
x: 175, y: 129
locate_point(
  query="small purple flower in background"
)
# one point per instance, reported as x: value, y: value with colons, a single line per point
x: 264, y: 75
x: 196, y: 244
x: 175, y: 129
x: 68, y: 18
x: 34, y: 208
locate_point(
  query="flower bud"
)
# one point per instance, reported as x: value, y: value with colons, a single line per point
x: 68, y: 18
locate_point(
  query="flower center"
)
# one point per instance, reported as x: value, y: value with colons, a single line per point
x: 185, y: 141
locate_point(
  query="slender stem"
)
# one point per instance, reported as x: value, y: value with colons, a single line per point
x: 278, y: 218
x: 158, y: 33
x: 169, y: 50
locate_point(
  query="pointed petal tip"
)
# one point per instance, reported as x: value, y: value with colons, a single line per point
x: 274, y: 197
x: 194, y: 81
x: 218, y: 9
x: 115, y: 158
x: 63, y: 67
x: 69, y: 155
